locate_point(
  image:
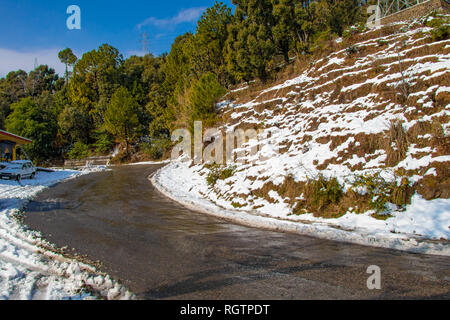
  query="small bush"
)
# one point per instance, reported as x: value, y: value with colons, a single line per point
x: 382, y: 43
x: 382, y: 192
x: 440, y: 25
x: 218, y: 173
x: 155, y: 148
x: 360, y: 28
x: 352, y: 50
x: 104, y: 143
x: 79, y: 151
x: 325, y: 192
x: 441, y: 33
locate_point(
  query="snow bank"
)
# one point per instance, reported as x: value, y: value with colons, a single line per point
x: 29, y: 271
x: 409, y: 231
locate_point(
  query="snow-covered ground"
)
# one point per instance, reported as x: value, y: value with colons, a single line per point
x: 149, y: 163
x: 29, y: 271
x: 410, y: 230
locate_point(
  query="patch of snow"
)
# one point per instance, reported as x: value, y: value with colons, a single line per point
x: 28, y: 270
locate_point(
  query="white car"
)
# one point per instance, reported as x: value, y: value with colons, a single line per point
x: 17, y: 170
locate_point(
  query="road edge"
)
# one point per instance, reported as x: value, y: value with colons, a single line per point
x: 316, y: 230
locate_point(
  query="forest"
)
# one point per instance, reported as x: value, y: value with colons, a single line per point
x: 104, y: 100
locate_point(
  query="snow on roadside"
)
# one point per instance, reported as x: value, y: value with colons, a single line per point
x: 148, y: 163
x: 404, y: 231
x: 334, y: 120
x: 30, y: 272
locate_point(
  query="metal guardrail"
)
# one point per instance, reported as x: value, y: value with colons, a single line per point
x: 93, y: 161
x: 391, y: 7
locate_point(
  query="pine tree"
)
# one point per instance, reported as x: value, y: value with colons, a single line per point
x: 210, y: 39
x: 251, y: 46
x: 203, y: 96
x: 121, y: 119
x: 68, y: 59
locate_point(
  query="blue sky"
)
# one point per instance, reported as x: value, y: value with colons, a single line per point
x: 37, y: 29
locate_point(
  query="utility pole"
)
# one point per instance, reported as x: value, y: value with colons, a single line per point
x: 144, y: 41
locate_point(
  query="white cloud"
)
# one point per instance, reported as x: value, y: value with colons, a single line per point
x: 12, y: 60
x: 187, y: 15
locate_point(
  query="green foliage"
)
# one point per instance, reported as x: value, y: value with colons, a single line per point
x: 325, y: 192
x: 218, y: 173
x: 441, y: 33
x: 75, y: 125
x: 250, y: 46
x: 440, y: 25
x: 36, y: 122
x: 210, y: 39
x: 155, y: 148
x: 13, y: 88
x: 382, y: 192
x: 104, y: 142
x: 177, y: 67
x: 203, y: 96
x: 2, y: 120
x: 96, y: 76
x: 352, y: 50
x: 120, y: 116
x: 42, y: 79
x: 79, y: 151
x: 68, y: 58
x: 344, y: 13
x: 382, y: 43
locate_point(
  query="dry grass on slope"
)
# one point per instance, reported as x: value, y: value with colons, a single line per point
x: 375, y: 103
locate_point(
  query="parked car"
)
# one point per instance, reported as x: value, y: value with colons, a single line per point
x: 17, y: 170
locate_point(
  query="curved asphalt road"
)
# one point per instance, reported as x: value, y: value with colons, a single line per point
x: 161, y: 250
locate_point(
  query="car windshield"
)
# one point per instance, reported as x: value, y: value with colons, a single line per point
x: 16, y: 167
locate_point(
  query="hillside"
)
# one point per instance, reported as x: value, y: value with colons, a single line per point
x: 358, y: 141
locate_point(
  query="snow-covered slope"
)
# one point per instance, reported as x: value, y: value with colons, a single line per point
x: 372, y: 114
x: 28, y: 269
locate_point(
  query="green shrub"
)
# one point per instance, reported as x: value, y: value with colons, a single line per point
x: 360, y: 28
x: 352, y: 50
x: 218, y: 173
x: 382, y: 192
x: 440, y: 25
x: 203, y: 96
x: 325, y: 192
x: 104, y: 142
x: 382, y: 43
x: 441, y: 33
x: 156, y: 148
x: 79, y: 151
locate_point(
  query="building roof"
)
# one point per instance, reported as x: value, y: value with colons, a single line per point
x: 14, y: 138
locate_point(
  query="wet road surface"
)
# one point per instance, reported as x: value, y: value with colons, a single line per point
x: 161, y: 250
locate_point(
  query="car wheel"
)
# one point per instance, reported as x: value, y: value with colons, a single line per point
x: 33, y: 175
x: 18, y: 177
